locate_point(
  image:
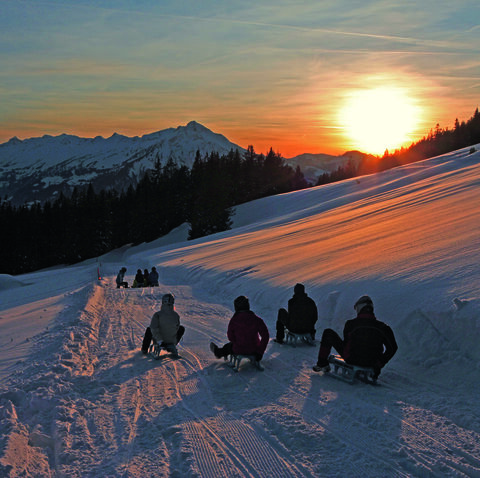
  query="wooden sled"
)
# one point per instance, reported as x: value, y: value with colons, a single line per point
x: 350, y: 373
x: 294, y: 339
x: 235, y: 360
x: 155, y: 350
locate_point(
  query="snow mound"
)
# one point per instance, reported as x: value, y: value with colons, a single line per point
x: 9, y: 282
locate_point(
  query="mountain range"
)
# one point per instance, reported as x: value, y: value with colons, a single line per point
x: 38, y: 169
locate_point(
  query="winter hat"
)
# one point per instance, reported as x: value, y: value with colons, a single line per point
x: 299, y: 289
x: 241, y: 303
x: 364, y: 301
x: 168, y: 299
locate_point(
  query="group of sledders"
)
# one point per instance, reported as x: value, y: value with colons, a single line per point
x: 142, y: 279
x: 367, y: 343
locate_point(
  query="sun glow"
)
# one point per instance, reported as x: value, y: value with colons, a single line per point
x: 379, y: 118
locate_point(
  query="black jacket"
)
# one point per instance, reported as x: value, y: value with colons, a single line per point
x: 302, y: 314
x: 367, y: 341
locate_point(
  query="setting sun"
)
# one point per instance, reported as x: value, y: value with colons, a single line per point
x: 379, y: 118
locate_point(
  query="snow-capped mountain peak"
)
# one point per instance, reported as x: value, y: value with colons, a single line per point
x: 36, y: 169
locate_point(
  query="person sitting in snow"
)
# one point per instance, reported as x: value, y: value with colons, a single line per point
x: 120, y: 278
x: 153, y: 277
x: 138, y: 281
x: 246, y: 332
x: 145, y: 278
x: 165, y: 328
x: 301, y: 316
x: 367, y: 342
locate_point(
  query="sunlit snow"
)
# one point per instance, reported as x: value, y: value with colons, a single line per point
x: 77, y: 398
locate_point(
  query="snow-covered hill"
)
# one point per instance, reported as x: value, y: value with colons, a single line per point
x: 39, y: 168
x: 314, y: 165
x: 78, y: 399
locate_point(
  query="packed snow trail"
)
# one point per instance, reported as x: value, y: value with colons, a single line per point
x: 89, y: 404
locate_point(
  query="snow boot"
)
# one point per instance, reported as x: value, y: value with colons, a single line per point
x: 214, y: 350
x: 321, y: 368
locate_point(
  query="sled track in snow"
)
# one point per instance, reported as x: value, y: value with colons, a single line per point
x: 101, y: 408
x: 424, y: 436
x: 212, y: 435
x: 215, y: 437
x: 349, y: 423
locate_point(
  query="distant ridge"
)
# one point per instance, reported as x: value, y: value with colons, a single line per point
x: 38, y: 169
x: 314, y: 165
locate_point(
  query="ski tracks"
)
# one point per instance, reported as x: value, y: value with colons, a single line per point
x: 163, y: 418
x: 216, y: 440
x: 223, y: 442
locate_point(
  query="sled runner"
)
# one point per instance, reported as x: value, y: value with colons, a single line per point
x: 235, y: 360
x: 293, y: 339
x: 349, y: 373
x: 155, y: 350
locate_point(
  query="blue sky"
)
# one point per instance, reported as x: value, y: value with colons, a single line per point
x: 270, y: 73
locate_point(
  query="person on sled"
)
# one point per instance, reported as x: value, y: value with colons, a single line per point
x: 138, y: 281
x: 145, y: 278
x: 301, y: 316
x: 153, y: 277
x: 165, y: 328
x: 246, y: 332
x: 120, y: 278
x: 367, y: 342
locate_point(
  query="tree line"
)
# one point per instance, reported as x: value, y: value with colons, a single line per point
x: 438, y: 141
x: 88, y: 223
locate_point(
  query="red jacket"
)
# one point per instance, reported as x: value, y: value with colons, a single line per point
x: 248, y: 333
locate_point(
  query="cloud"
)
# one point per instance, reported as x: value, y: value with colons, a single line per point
x: 269, y: 64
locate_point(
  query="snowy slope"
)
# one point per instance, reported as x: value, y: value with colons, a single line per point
x: 78, y: 399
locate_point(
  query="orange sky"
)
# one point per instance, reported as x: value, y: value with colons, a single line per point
x: 269, y: 75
